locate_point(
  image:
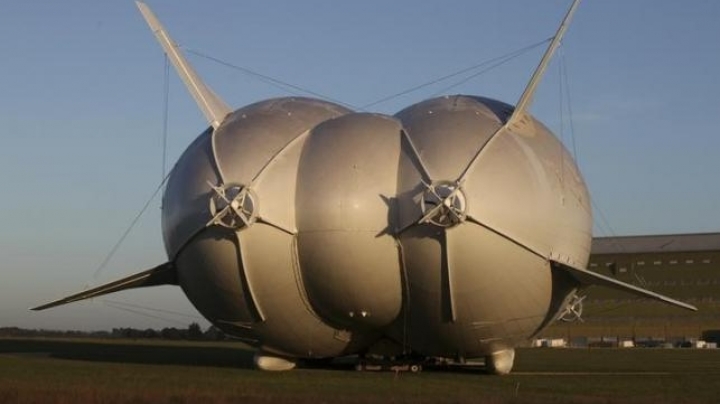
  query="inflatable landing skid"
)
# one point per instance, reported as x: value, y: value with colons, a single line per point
x: 391, y: 365
x: 499, y: 363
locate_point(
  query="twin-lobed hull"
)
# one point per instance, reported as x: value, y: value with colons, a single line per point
x: 334, y: 253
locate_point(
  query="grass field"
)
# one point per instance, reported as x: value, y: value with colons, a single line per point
x: 110, y: 371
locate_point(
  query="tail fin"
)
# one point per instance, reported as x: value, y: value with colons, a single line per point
x: 586, y: 277
x: 160, y: 275
x: 214, y: 109
x: 527, y: 95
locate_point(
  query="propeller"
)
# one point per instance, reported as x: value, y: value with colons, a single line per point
x: 573, y: 310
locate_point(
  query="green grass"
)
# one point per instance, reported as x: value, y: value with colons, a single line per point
x: 81, y: 371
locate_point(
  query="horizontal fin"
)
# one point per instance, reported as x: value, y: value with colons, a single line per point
x: 214, y: 109
x: 586, y: 277
x: 160, y: 275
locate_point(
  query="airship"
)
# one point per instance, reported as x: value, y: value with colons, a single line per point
x: 458, y: 228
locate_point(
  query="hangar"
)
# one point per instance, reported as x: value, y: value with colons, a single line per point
x: 683, y: 266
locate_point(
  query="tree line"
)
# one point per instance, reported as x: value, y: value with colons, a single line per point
x: 192, y: 333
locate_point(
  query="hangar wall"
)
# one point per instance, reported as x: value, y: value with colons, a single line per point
x: 682, y: 266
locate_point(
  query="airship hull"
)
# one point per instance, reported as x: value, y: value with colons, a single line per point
x: 458, y: 228
x: 331, y: 253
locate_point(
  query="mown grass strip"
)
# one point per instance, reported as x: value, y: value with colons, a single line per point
x: 52, y: 371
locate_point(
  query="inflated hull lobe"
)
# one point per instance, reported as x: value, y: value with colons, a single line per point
x: 348, y: 255
x: 484, y: 284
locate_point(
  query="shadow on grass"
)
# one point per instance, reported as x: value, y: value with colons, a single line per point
x: 170, y: 353
x: 135, y: 352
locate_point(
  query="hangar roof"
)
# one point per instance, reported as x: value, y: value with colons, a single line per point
x: 656, y: 243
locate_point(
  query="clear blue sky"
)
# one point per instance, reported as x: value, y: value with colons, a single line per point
x: 81, y: 98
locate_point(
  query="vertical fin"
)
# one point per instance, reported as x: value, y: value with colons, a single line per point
x: 211, y: 105
x: 527, y: 96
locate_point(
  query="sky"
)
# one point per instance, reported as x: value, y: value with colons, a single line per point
x: 82, y: 100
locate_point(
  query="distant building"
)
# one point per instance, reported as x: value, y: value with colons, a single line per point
x: 682, y: 266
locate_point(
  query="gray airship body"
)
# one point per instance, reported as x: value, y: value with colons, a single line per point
x: 457, y: 228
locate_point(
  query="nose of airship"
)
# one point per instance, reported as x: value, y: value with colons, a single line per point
x: 348, y: 255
